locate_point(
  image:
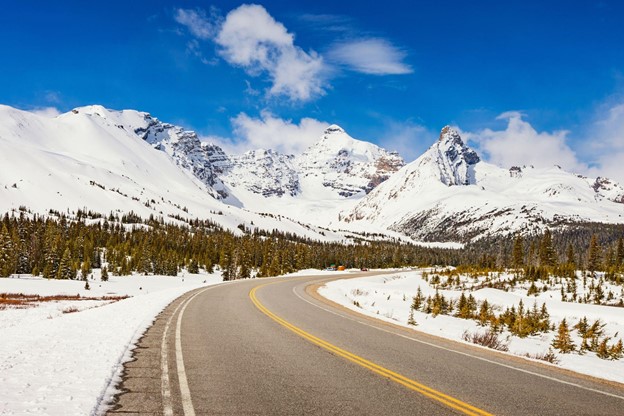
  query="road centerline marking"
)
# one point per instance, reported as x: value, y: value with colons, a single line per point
x: 511, y: 367
x: 413, y: 385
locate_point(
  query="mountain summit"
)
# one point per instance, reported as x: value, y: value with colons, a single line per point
x: 121, y: 161
x: 449, y: 193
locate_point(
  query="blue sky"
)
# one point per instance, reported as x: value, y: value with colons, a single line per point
x: 390, y: 72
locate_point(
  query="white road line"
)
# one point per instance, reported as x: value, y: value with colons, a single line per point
x: 164, y: 368
x: 459, y: 352
x: 187, y: 404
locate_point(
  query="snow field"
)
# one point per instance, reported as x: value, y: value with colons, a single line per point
x: 55, y: 363
x: 390, y: 298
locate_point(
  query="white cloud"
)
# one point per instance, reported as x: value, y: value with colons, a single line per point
x: 49, y: 112
x: 370, y: 56
x: 196, y: 22
x: 252, y: 39
x: 271, y: 132
x: 606, y: 143
x: 521, y: 144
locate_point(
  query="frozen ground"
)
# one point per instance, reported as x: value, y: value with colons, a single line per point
x: 56, y: 363
x: 390, y: 298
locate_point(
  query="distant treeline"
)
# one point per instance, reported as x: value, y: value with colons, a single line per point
x: 59, y: 247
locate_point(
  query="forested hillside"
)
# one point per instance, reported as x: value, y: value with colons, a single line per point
x: 62, y: 247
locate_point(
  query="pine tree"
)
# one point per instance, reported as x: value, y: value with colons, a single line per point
x: 418, y: 300
x: 66, y: 269
x: 571, y: 257
x: 594, y: 256
x: 603, y: 349
x: 563, y: 341
x: 616, y: 351
x: 410, y: 319
x: 6, y: 252
x: 619, y: 253
x: 484, y: 313
x: 547, y: 255
x: 104, y: 276
x: 518, y: 252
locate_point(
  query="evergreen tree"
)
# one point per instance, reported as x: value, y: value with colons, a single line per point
x: 619, y: 253
x: 104, y: 276
x: 484, y: 313
x: 411, y: 320
x: 570, y: 256
x: 563, y: 341
x: 417, y: 301
x: 594, y: 256
x: 547, y: 255
x: 66, y: 268
x: 518, y: 252
x: 6, y: 252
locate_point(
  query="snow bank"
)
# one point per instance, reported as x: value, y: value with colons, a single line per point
x: 55, y: 363
x: 389, y: 298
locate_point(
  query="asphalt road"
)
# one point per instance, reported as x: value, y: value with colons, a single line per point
x: 283, y: 351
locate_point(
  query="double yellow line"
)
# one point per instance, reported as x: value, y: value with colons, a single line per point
x: 447, y: 400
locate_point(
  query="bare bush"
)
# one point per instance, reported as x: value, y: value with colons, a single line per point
x: 487, y: 339
x: 548, y: 356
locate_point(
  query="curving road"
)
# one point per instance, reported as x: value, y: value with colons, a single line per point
x: 271, y: 347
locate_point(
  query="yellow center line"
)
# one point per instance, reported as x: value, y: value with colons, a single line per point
x: 377, y: 369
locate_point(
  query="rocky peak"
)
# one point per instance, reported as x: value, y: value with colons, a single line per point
x: 264, y: 172
x: 347, y: 165
x: 334, y: 128
x: 454, y: 159
x: 206, y: 161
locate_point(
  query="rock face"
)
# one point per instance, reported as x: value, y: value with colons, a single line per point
x: 449, y: 194
x: 130, y: 159
x: 206, y: 161
x: 454, y: 159
x: 347, y: 166
x: 263, y: 172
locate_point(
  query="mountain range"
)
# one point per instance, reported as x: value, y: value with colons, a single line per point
x: 93, y: 158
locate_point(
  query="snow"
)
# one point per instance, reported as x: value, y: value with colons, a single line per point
x: 390, y: 297
x: 449, y: 181
x: 93, y: 158
x: 54, y: 363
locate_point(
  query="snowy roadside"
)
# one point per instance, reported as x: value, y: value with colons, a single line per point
x: 390, y: 298
x: 57, y: 363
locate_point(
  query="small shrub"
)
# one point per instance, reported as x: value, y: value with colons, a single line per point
x: 487, y: 339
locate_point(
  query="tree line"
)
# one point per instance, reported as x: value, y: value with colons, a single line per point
x: 61, y: 247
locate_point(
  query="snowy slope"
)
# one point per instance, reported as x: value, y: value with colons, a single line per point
x: 448, y: 193
x: 101, y: 160
x: 330, y: 176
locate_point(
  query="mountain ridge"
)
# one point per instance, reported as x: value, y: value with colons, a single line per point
x: 447, y: 194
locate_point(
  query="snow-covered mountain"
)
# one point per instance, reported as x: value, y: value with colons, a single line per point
x: 449, y: 193
x: 346, y: 165
x: 119, y: 161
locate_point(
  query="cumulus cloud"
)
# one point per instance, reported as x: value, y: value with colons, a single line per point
x: 271, y: 132
x: 370, y: 56
x: 520, y: 144
x: 250, y: 38
x: 597, y: 151
x: 606, y: 143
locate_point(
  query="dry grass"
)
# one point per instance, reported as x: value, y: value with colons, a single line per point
x: 22, y: 301
x: 548, y: 356
x: 487, y: 339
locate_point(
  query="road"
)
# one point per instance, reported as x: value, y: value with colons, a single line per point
x: 271, y: 347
